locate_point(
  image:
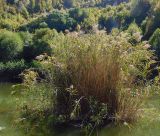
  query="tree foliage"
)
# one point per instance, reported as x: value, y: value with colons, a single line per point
x: 40, y: 44
x: 155, y: 42
x: 10, y: 45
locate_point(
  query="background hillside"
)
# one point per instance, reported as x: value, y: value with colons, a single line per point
x: 32, y: 6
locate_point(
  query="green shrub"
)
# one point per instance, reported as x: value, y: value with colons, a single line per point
x: 133, y: 28
x: 11, y: 45
x: 43, y: 25
x: 12, y: 66
x: 78, y: 14
x: 41, y: 43
x: 135, y: 33
x: 115, y: 17
x: 36, y: 104
x: 60, y: 21
x: 155, y: 42
x: 26, y: 37
x: 140, y: 9
x: 152, y: 22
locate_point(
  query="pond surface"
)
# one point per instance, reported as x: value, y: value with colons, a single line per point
x: 7, y: 109
x: 149, y: 125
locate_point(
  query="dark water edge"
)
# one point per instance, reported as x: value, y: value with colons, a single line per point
x: 6, y: 78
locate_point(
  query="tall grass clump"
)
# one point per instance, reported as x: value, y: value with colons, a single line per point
x: 95, y: 73
x: 91, y: 79
x: 106, y: 68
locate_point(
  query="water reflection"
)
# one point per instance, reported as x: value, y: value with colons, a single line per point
x: 149, y: 125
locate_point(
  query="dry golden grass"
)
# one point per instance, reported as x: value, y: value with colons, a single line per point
x: 97, y: 76
x: 129, y: 104
x: 105, y: 69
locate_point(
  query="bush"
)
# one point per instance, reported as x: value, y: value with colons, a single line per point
x: 92, y: 79
x: 91, y: 55
x: 135, y: 33
x: 78, y: 14
x: 152, y: 22
x: 106, y: 70
x: 40, y: 44
x: 155, y: 42
x: 60, y: 21
x: 140, y: 10
x: 11, y: 45
x: 12, y: 66
x: 33, y: 25
x: 115, y: 17
x: 10, y: 70
x: 43, y: 25
x: 36, y: 103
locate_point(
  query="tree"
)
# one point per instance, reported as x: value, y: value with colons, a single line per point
x: 155, y: 42
x: 78, y: 14
x: 140, y: 10
x: 41, y: 43
x: 68, y: 3
x: 11, y: 45
x: 134, y: 33
x: 151, y: 22
x: 60, y: 21
x: 11, y: 1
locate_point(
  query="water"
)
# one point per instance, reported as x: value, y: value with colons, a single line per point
x: 7, y: 110
x: 149, y: 125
